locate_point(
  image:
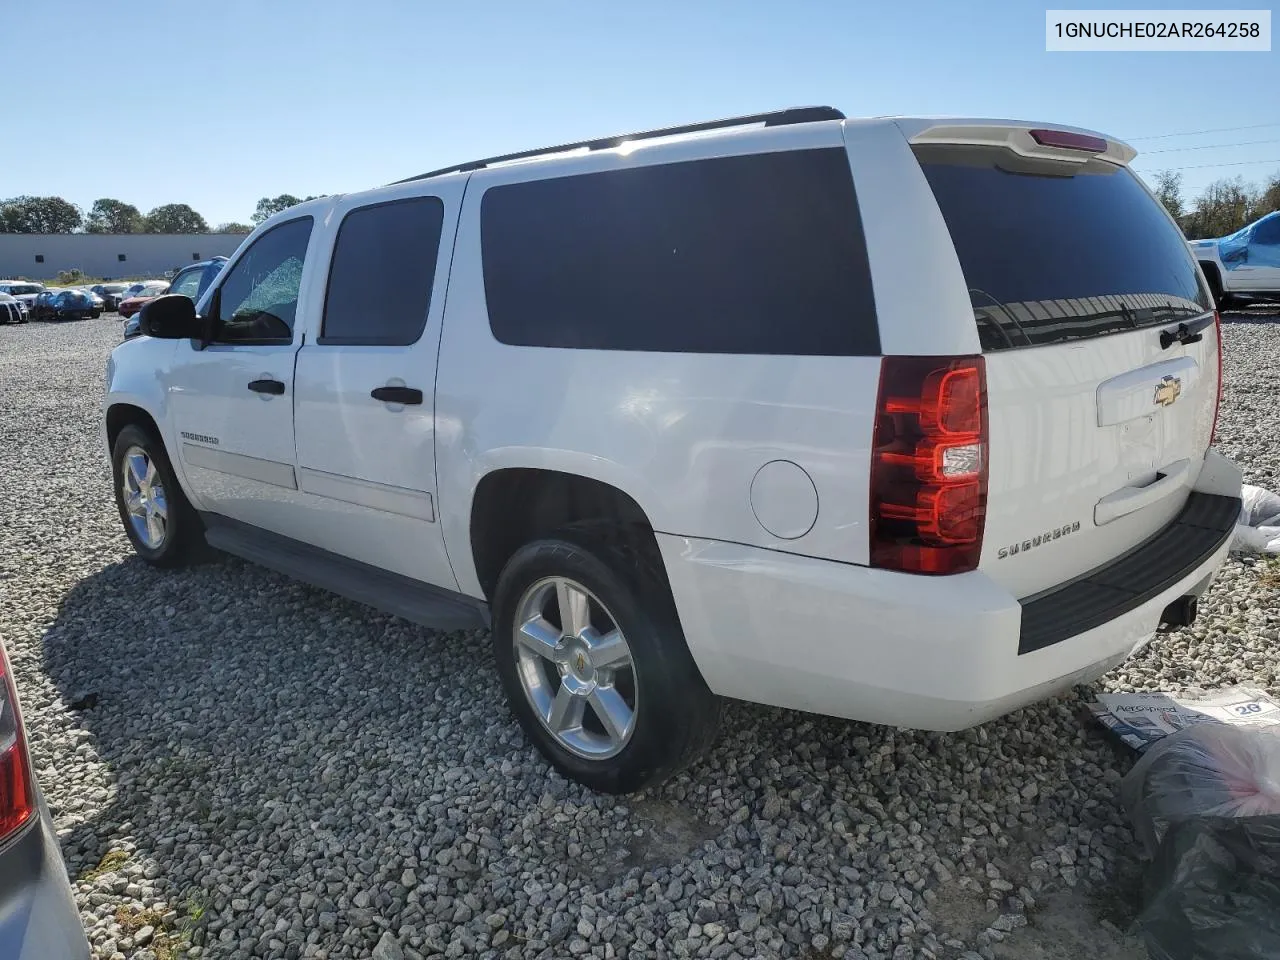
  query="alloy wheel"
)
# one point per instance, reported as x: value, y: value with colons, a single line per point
x: 576, y: 668
x: 144, y: 497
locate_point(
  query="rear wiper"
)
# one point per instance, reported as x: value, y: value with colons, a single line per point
x: 1185, y: 333
x: 1007, y: 312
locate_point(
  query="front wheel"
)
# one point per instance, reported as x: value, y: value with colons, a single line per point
x: 159, y: 521
x: 595, y: 666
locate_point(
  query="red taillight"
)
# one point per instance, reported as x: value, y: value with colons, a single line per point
x: 17, y: 792
x: 1217, y: 403
x: 1069, y: 141
x: 929, y: 465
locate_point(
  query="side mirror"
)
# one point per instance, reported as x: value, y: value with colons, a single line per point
x: 171, y: 317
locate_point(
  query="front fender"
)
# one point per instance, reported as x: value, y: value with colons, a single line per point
x: 137, y: 375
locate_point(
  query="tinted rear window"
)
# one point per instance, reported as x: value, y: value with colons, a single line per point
x: 383, y: 269
x: 1053, y: 251
x: 759, y: 254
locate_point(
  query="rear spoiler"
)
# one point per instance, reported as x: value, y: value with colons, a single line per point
x: 1050, y: 143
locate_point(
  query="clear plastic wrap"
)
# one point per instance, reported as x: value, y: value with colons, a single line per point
x: 1206, y: 805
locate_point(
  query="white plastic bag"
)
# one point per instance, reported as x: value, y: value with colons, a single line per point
x: 1258, y: 530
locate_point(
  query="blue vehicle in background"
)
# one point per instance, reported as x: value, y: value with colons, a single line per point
x: 1243, y: 265
x: 58, y: 304
x: 190, y: 281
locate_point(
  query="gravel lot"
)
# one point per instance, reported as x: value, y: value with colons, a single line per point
x: 243, y: 766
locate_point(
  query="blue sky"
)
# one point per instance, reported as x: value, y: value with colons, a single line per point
x: 218, y: 104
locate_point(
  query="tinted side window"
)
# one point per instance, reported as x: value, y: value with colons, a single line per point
x: 258, y: 300
x: 760, y: 254
x: 383, y: 268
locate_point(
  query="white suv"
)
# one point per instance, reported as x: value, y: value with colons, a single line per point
x: 900, y: 420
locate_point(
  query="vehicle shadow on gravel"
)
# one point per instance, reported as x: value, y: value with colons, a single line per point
x: 261, y: 733
x: 292, y: 767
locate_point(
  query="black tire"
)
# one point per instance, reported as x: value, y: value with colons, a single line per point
x: 1221, y: 301
x: 676, y: 715
x: 183, y: 540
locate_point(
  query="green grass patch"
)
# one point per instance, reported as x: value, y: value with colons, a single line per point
x: 111, y: 861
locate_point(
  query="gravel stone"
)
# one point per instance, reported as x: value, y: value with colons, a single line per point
x: 271, y: 770
x: 387, y: 948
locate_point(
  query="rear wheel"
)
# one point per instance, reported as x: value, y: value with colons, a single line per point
x: 159, y: 521
x: 1221, y: 300
x: 595, y: 666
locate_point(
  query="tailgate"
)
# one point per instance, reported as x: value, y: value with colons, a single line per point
x: 1101, y: 355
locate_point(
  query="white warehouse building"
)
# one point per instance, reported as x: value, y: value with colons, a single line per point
x: 40, y: 256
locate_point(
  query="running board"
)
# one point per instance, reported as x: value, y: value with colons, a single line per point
x: 392, y: 593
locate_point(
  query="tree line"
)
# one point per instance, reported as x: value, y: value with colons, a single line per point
x: 56, y: 215
x: 1224, y: 207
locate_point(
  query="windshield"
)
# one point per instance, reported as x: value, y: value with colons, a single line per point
x: 19, y: 289
x: 1055, y: 251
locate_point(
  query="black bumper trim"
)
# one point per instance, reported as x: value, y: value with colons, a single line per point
x: 1110, y: 591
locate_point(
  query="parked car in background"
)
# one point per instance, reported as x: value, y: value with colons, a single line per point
x: 42, y: 305
x: 65, y: 304
x: 12, y: 310
x: 190, y: 281
x: 1244, y: 264
x: 99, y: 305
x: 111, y: 293
x: 194, y: 280
x: 632, y: 504
x: 38, y: 916
x: 140, y: 295
x: 24, y: 290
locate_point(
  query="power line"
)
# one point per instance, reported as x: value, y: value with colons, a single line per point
x: 1206, y: 166
x: 1212, y: 146
x: 1192, y: 133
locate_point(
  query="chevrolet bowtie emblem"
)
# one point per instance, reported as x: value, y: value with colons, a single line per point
x: 1167, y: 391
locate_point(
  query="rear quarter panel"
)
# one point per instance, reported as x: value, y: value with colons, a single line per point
x: 682, y: 434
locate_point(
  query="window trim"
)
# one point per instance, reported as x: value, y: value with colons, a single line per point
x: 226, y: 272
x: 321, y: 338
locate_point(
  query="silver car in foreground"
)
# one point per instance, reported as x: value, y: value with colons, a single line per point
x: 38, y: 917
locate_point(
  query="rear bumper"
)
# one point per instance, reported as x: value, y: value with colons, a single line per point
x: 38, y: 916
x: 937, y: 653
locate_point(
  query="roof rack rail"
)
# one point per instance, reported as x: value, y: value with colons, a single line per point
x: 777, y: 118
